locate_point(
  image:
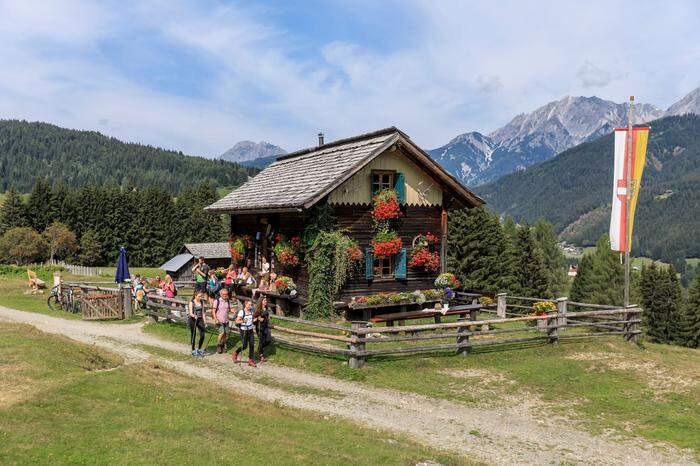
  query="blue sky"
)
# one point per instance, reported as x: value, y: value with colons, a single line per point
x: 200, y: 76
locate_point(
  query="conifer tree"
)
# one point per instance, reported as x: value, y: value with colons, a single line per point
x: 12, y: 213
x: 38, y: 208
x: 90, y: 249
x: 477, y: 251
x: 510, y: 228
x: 543, y: 231
x: 530, y: 268
x: 661, y: 296
x: 689, y: 334
x: 600, y: 276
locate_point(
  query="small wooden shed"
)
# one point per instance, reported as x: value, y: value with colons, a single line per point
x: 180, y: 266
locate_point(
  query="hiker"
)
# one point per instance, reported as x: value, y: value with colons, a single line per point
x: 261, y: 317
x: 244, y: 320
x: 213, y: 285
x: 201, y: 273
x: 219, y: 312
x: 169, y: 289
x: 195, y: 320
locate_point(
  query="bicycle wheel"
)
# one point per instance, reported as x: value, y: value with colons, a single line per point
x: 53, y: 303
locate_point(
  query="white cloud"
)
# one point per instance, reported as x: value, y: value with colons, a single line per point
x: 464, y: 66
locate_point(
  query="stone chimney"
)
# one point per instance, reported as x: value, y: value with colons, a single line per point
x: 320, y: 139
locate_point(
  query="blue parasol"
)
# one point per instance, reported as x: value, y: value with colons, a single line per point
x: 122, y: 267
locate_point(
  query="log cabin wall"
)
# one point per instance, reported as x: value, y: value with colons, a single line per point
x: 357, y: 220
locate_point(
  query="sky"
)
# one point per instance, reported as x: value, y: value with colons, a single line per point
x: 201, y: 76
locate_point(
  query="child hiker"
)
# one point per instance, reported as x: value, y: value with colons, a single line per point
x: 244, y: 320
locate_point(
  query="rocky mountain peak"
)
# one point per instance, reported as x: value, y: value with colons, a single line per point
x: 245, y: 151
x: 688, y: 104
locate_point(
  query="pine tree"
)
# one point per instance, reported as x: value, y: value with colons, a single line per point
x: 661, y: 299
x: 90, y: 249
x: 530, y: 268
x: 477, y: 251
x: 510, y: 228
x: 13, y: 212
x: 38, y: 210
x: 600, y: 277
x: 689, y: 334
x: 543, y: 231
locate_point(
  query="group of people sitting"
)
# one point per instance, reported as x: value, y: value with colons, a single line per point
x: 252, y: 317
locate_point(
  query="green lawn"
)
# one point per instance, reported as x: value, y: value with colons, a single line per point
x: 652, y: 391
x: 63, y: 402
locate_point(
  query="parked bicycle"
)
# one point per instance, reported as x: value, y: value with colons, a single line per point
x: 63, y: 301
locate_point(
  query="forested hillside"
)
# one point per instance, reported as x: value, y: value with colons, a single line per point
x: 39, y: 150
x: 573, y: 191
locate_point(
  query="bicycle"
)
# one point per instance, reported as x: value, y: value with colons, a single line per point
x: 61, y: 300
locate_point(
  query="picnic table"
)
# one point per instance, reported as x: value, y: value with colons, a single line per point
x: 462, y: 310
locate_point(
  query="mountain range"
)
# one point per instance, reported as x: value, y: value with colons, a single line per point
x: 573, y: 190
x: 530, y: 138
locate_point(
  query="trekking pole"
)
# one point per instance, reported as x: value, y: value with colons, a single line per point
x: 209, y: 341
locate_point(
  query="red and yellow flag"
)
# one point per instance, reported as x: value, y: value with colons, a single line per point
x: 618, y: 218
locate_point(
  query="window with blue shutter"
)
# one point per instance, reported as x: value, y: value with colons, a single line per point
x: 400, y: 187
x: 400, y: 269
x: 369, y: 263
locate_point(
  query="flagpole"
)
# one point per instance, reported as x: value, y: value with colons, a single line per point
x: 628, y: 197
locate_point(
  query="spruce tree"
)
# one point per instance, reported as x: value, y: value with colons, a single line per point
x: 530, y: 268
x: 689, y: 334
x: 477, y: 251
x: 38, y: 209
x: 13, y: 212
x: 90, y: 249
x: 600, y: 277
x: 661, y: 296
x: 543, y: 232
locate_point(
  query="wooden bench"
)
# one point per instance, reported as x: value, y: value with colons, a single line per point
x: 402, y: 317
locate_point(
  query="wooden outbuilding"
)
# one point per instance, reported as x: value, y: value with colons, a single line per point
x: 345, y: 174
x: 180, y: 266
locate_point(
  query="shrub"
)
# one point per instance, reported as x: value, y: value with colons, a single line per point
x: 22, y: 245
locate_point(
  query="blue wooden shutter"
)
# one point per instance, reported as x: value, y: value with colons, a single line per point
x: 369, y: 263
x: 400, y: 187
x: 400, y: 266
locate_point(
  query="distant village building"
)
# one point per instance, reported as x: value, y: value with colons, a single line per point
x: 180, y: 266
x: 345, y: 174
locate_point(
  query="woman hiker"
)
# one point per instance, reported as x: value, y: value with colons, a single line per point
x: 219, y: 312
x: 262, y: 326
x: 244, y: 320
x: 195, y: 321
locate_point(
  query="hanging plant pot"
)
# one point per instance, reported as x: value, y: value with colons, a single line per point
x: 385, y: 205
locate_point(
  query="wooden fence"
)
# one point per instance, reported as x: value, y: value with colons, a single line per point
x: 96, y: 302
x: 359, y: 340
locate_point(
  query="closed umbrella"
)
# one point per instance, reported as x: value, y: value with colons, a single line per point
x: 122, y: 267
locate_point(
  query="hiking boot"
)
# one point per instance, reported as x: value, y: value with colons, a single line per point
x: 251, y: 363
x: 219, y: 349
x: 262, y: 359
x: 194, y: 352
x: 234, y: 356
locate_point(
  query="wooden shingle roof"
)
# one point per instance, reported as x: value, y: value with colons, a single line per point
x: 298, y: 180
x: 208, y: 250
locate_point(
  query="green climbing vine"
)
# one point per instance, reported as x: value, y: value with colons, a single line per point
x: 332, y: 259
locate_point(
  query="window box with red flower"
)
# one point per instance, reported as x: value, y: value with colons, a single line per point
x: 386, y: 243
x: 287, y: 251
x: 385, y: 205
x: 239, y: 245
x: 423, y: 255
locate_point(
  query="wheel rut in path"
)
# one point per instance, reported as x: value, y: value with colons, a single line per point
x: 498, y: 435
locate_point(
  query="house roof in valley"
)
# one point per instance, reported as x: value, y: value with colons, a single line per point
x: 208, y: 250
x: 298, y: 180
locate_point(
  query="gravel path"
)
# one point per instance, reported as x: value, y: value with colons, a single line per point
x: 503, y: 435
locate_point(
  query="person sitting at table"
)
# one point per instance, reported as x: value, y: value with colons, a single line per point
x: 230, y: 279
x: 264, y: 285
x: 245, y: 278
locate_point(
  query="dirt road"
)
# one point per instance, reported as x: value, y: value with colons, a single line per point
x: 516, y: 435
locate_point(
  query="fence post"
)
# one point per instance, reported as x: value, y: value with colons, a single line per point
x: 552, y: 322
x: 126, y: 300
x: 356, y: 361
x: 463, y: 336
x: 631, y: 327
x: 561, y: 311
x: 501, y: 305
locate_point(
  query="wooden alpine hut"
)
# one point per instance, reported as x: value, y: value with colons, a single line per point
x: 347, y: 175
